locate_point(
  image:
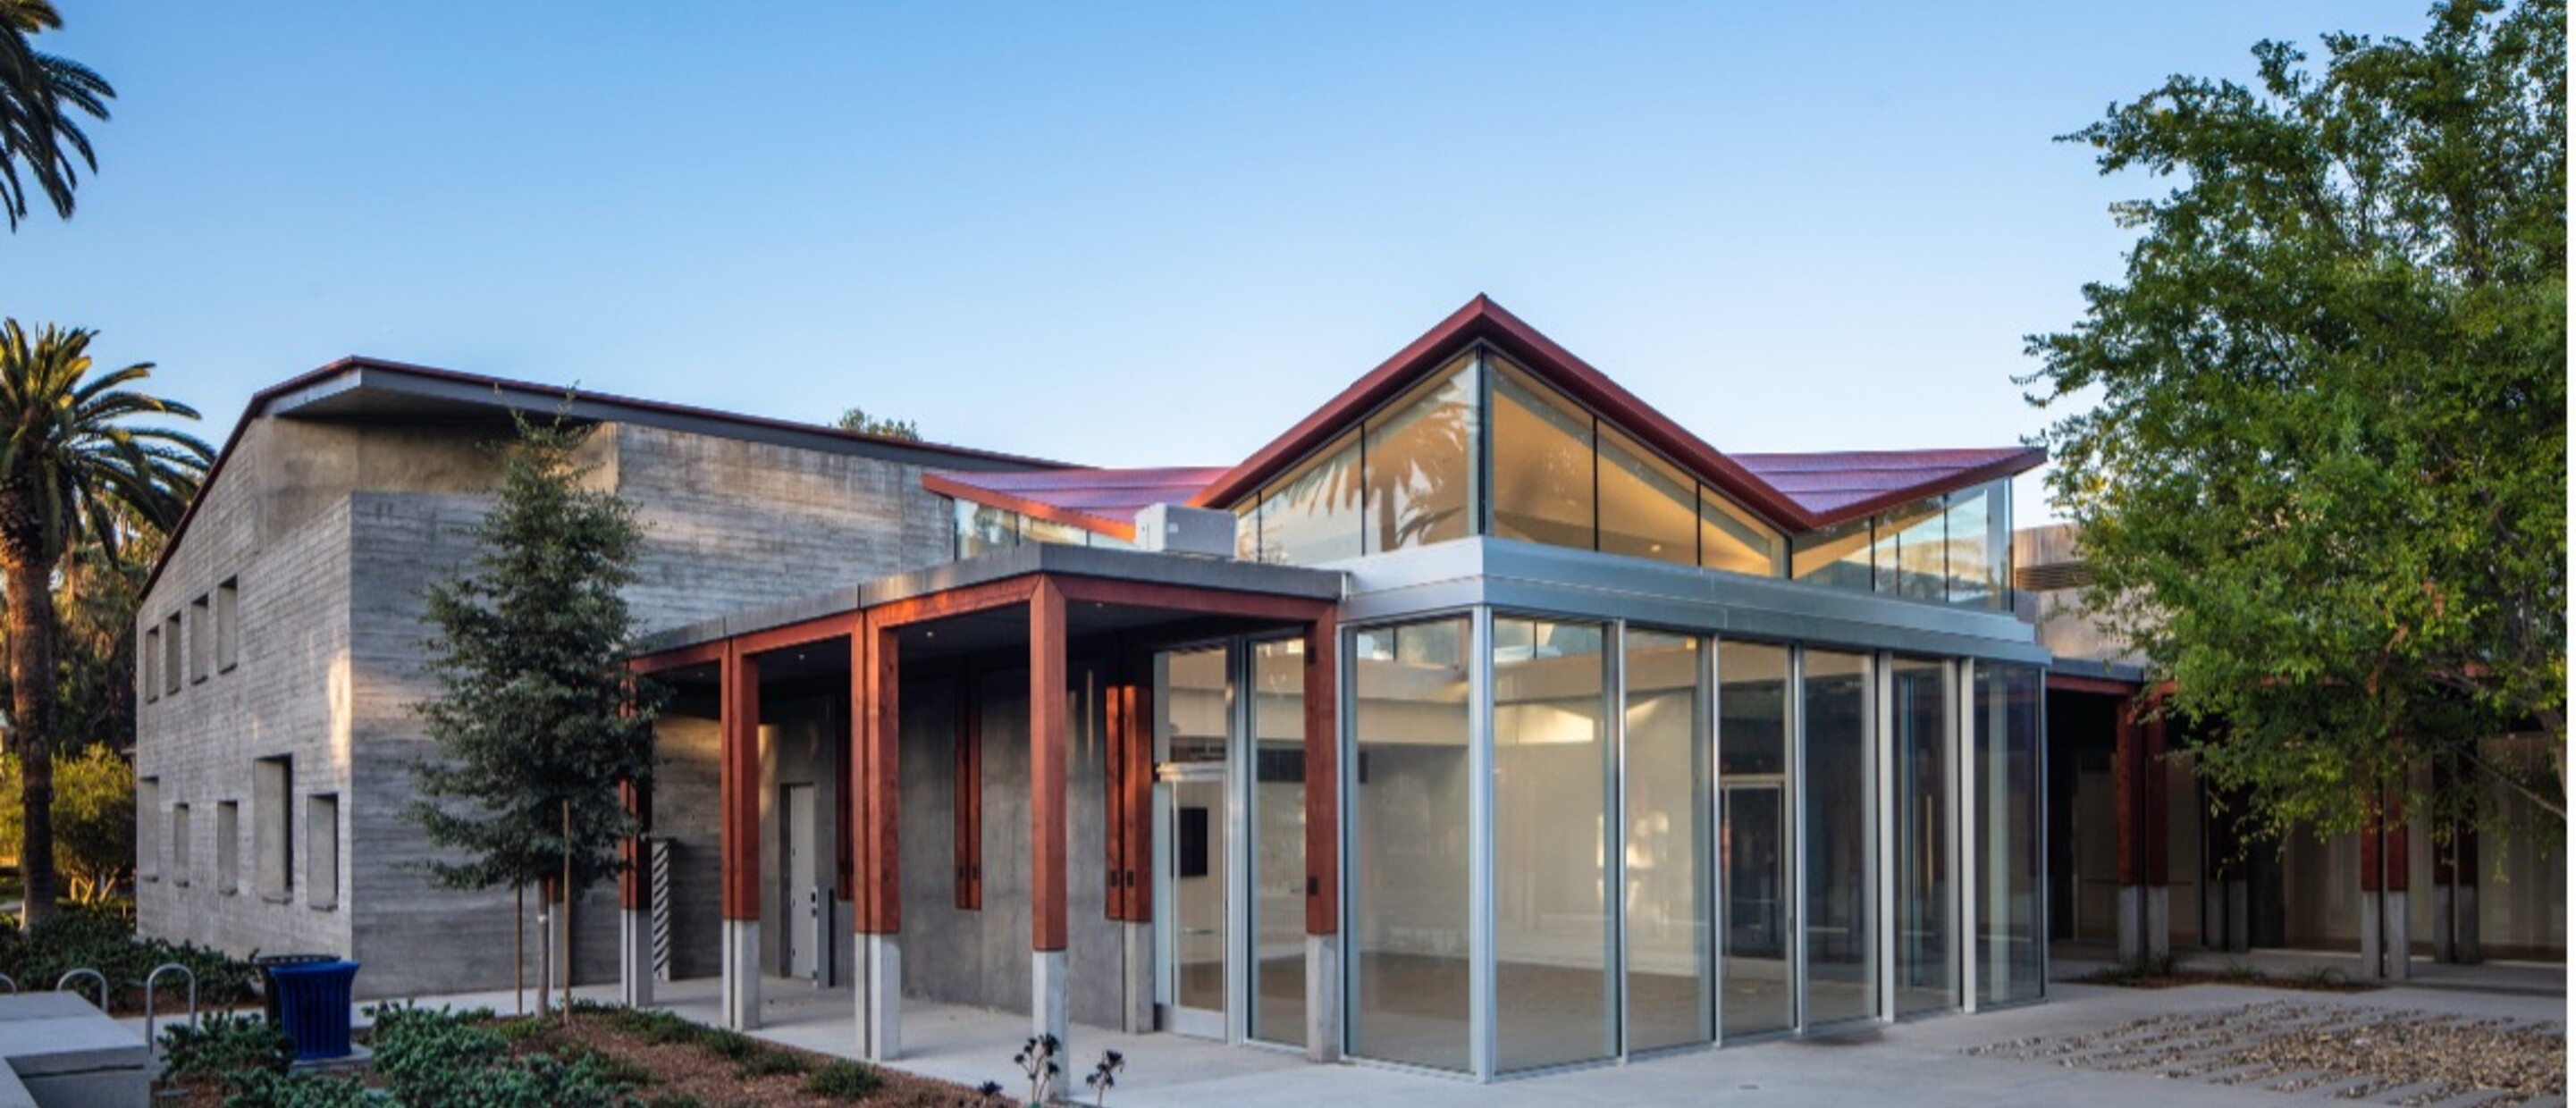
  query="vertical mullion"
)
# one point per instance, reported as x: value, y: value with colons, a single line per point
x: 1712, y: 860
x: 1794, y: 706
x: 1963, y: 719
x: 1614, y: 898
x: 1885, y: 829
x: 1481, y: 1012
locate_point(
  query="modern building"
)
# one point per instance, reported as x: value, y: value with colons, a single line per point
x: 1485, y: 721
x: 2146, y: 859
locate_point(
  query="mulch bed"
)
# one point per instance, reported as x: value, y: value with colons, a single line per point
x: 683, y: 1073
x: 2175, y: 979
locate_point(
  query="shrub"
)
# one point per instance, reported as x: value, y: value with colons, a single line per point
x: 772, y: 1063
x: 733, y: 1046
x: 104, y: 940
x: 223, y: 1046
x: 425, y: 1054
x: 845, y: 1081
x: 301, y: 1090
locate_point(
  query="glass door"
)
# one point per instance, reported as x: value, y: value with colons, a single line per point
x: 1194, y: 706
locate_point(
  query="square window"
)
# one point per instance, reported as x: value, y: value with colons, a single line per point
x: 272, y: 782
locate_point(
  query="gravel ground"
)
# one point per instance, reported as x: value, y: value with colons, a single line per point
x: 2349, y: 1052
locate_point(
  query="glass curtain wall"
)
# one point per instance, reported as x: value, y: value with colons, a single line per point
x: 1836, y: 776
x: 1313, y: 516
x: 2008, y: 843
x: 1543, y: 458
x: 1409, y: 851
x: 1554, y: 954
x: 1664, y: 775
x: 1278, y: 823
x: 1753, y: 837
x: 1649, y: 507
x: 1420, y: 463
x: 1927, y: 975
x: 1195, y: 700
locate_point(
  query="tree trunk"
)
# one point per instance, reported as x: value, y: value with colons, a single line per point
x: 31, y: 719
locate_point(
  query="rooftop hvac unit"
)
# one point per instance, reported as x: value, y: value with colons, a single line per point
x: 1173, y: 529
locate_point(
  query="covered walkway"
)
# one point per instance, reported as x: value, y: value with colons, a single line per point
x: 1048, y: 642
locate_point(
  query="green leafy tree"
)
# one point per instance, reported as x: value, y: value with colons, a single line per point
x: 2322, y: 476
x: 41, y: 98
x: 857, y: 421
x: 536, y: 709
x: 74, y: 467
x: 93, y: 820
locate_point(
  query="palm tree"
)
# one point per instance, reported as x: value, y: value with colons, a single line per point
x: 39, y: 93
x: 71, y: 469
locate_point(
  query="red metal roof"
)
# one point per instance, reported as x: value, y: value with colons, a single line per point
x: 1797, y: 492
x: 1846, y: 484
x: 1101, y: 500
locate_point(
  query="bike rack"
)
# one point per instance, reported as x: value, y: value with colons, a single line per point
x: 64, y: 985
x: 12, y: 982
x: 152, y: 997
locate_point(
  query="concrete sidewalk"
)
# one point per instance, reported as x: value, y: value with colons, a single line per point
x: 2070, y: 962
x: 1919, y: 1064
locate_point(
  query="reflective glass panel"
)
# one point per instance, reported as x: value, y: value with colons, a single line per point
x: 1649, y: 507
x: 1312, y: 515
x: 1666, y: 778
x: 1422, y: 463
x: 1732, y: 540
x: 1842, y: 949
x: 1195, y: 703
x: 1980, y: 536
x: 1542, y: 463
x: 1409, y: 851
x: 982, y: 530
x: 1552, y: 942
x: 2008, y: 843
x: 1247, y: 531
x: 1836, y: 556
x: 1911, y: 555
x: 1033, y: 529
x: 1279, y: 841
x: 1753, y: 837
x: 1927, y: 975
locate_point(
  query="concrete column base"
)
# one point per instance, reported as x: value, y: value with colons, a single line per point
x: 2464, y: 921
x: 1136, y: 1016
x: 634, y: 958
x: 554, y: 925
x: 2159, y: 921
x: 1323, y: 998
x: 739, y: 1005
x: 879, y: 996
x: 2398, y: 936
x: 1047, y: 999
x: 2131, y: 912
x: 2384, y: 936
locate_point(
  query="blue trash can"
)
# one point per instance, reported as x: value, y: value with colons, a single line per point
x: 313, y: 1006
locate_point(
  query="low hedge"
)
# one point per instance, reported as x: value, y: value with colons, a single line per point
x: 78, y: 939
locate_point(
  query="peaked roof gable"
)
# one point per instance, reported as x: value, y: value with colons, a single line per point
x: 1808, y: 495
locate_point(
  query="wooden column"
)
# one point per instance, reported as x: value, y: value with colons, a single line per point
x: 2128, y: 798
x: 738, y: 785
x: 1323, y: 778
x: 1140, y: 804
x: 1114, y: 703
x: 877, y: 903
x: 969, y: 800
x: 2157, y: 837
x: 1047, y: 752
x: 634, y: 885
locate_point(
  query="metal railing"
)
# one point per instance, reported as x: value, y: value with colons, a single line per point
x: 151, y: 999
x: 65, y: 983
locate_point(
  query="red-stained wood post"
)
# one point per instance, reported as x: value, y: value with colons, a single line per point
x: 1047, y: 754
x: 1323, y: 701
x: 738, y: 837
x: 876, y: 894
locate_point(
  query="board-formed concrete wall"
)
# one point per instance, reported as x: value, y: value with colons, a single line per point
x: 332, y: 533
x: 981, y: 957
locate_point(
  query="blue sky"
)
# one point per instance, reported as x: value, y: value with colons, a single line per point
x: 1118, y: 234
